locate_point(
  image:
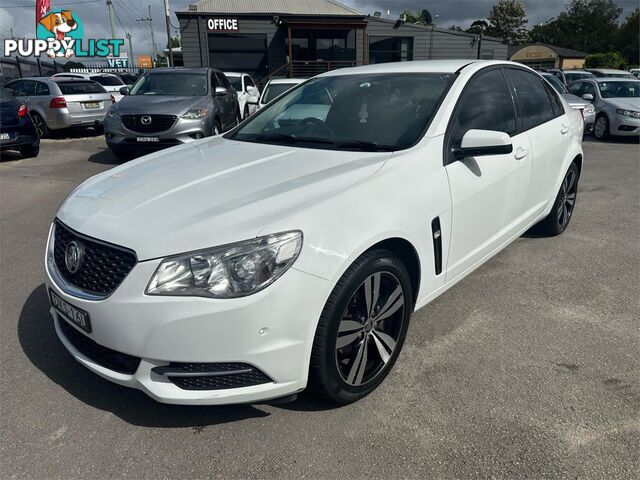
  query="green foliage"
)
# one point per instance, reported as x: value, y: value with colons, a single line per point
x: 508, y: 20
x: 415, y: 17
x: 606, y: 60
x: 628, y: 38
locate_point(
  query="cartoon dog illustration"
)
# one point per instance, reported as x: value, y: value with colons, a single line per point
x: 59, y: 23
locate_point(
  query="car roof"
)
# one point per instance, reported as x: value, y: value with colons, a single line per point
x: 181, y: 70
x: 577, y: 71
x: 277, y: 81
x: 615, y: 79
x: 421, y: 66
x: 234, y: 74
x: 70, y: 80
x: 608, y: 70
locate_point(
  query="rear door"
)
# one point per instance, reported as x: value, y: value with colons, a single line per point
x: 489, y: 192
x: 541, y: 115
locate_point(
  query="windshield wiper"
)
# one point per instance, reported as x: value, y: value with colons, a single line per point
x: 365, y: 145
x: 346, y: 144
x: 291, y: 138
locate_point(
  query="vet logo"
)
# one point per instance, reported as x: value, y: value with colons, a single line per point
x: 74, y: 256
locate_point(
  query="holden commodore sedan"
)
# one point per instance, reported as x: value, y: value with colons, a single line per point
x: 291, y: 254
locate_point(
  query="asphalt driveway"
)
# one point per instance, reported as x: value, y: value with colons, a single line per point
x: 530, y: 367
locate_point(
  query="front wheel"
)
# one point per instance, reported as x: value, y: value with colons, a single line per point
x: 601, y: 128
x: 362, y: 328
x: 30, y: 151
x: 558, y: 220
x: 40, y: 125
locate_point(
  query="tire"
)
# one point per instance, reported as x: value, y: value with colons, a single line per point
x: 30, y: 151
x: 558, y: 219
x: 351, y: 354
x: 601, y: 127
x: 99, y: 129
x: 41, y: 126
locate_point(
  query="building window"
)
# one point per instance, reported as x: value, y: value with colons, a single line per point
x: 322, y: 45
x: 390, y: 49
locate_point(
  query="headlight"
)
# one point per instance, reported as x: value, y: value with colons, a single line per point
x: 113, y: 113
x: 628, y: 113
x: 230, y: 271
x: 589, y: 108
x: 195, y: 113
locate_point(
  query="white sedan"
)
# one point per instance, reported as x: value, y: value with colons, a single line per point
x: 245, y: 88
x: 291, y: 254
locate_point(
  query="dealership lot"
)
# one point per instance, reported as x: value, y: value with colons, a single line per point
x: 529, y: 367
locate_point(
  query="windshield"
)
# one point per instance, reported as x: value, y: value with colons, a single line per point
x: 619, y: 75
x: 79, y: 87
x: 236, y: 82
x: 555, y: 83
x: 629, y: 89
x: 274, y: 90
x: 573, y: 76
x: 108, y: 80
x: 182, y: 84
x: 365, y: 112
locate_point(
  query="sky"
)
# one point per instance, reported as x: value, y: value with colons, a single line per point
x: 19, y: 15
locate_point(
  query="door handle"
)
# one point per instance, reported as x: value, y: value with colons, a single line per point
x: 521, y: 153
x: 564, y: 130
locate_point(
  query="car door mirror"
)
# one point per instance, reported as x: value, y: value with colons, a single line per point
x: 252, y: 100
x: 588, y: 97
x: 220, y: 91
x: 483, y: 142
x: 124, y: 90
x: 251, y: 89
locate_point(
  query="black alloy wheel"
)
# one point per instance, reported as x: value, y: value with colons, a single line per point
x: 558, y: 220
x: 40, y: 125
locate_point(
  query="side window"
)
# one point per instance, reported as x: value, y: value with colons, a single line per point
x: 222, y: 80
x: 42, y: 89
x: 14, y: 87
x: 248, y: 82
x: 589, y: 88
x: 556, y: 103
x: 575, y: 88
x: 23, y: 88
x: 534, y: 106
x: 486, y: 104
x: 214, y: 82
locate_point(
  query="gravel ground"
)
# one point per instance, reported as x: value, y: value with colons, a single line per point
x: 530, y: 367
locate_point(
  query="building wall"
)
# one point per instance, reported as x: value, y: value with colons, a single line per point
x: 536, y: 55
x: 571, y: 63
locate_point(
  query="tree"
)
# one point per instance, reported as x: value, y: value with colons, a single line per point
x: 478, y: 26
x: 414, y: 17
x: 628, y: 38
x: 606, y: 60
x: 455, y: 28
x: 589, y: 25
x: 508, y: 20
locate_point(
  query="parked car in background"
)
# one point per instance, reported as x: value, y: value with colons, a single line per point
x: 251, y: 265
x: 609, y: 73
x: 635, y: 72
x: 617, y: 104
x: 111, y: 83
x: 556, y: 72
x: 59, y: 102
x: 128, y: 79
x: 245, y: 87
x: 16, y: 129
x: 170, y: 106
x: 585, y: 107
x: 273, y: 89
x: 571, y: 76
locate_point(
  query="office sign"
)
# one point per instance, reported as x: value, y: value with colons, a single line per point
x: 222, y: 25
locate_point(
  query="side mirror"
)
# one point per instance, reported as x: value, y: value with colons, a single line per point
x: 124, y: 90
x: 588, y: 97
x: 221, y: 91
x: 252, y: 100
x: 252, y: 89
x: 483, y: 142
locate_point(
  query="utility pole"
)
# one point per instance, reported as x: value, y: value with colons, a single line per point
x: 153, y: 38
x: 168, y: 23
x: 133, y: 59
x: 112, y: 19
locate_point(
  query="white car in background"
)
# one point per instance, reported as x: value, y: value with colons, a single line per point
x: 248, y: 266
x: 111, y: 83
x: 245, y: 88
x: 273, y: 89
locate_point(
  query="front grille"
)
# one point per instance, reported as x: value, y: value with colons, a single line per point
x: 103, y: 266
x: 157, y: 123
x: 239, y: 375
x: 116, y: 361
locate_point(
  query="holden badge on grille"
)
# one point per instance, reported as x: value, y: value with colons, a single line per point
x: 73, y: 256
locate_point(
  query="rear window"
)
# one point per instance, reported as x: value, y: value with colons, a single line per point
x: 108, y: 80
x: 80, y: 88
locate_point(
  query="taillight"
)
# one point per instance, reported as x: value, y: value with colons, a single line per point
x: 113, y: 99
x: 22, y: 111
x: 58, y: 102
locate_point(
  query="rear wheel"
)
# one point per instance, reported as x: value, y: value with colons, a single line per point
x: 41, y: 126
x: 30, y: 151
x: 601, y: 127
x: 362, y: 328
x: 558, y: 220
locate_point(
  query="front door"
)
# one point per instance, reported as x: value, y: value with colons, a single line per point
x: 488, y: 193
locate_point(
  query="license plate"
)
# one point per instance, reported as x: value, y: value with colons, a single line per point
x: 4, y: 136
x: 91, y: 104
x: 75, y: 315
x: 148, y: 139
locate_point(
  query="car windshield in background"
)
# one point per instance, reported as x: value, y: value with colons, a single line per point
x: 78, y: 87
x: 236, y: 83
x: 373, y: 112
x: 555, y: 83
x: 108, y: 80
x: 619, y: 89
x: 127, y: 78
x: 182, y: 84
x: 275, y: 90
x: 572, y: 77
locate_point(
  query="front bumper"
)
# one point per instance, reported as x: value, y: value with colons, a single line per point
x: 271, y: 330
x: 622, y: 126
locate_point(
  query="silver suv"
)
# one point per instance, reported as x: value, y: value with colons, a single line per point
x: 57, y: 103
x: 170, y: 106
